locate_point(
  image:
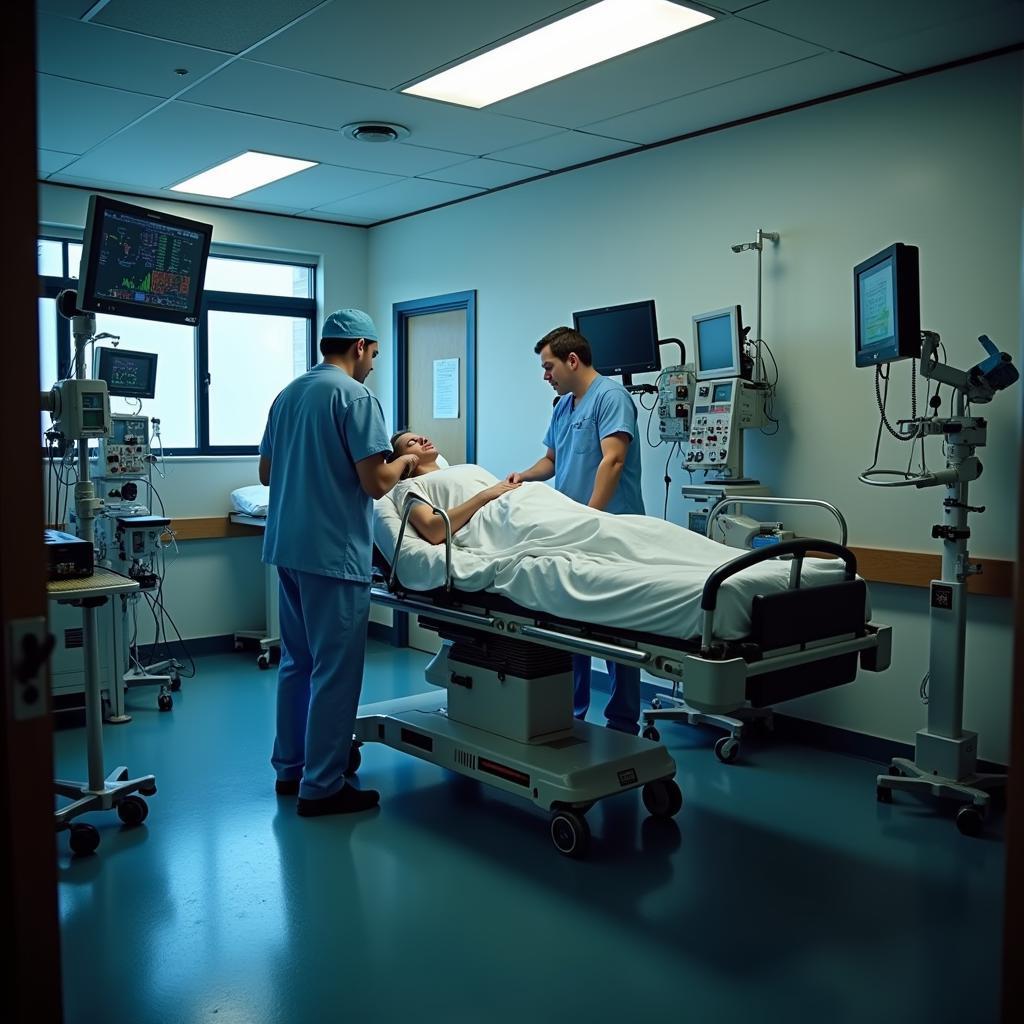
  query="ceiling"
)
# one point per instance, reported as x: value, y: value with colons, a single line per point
x: 283, y: 76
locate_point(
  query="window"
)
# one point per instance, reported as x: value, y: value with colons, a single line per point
x: 215, y: 383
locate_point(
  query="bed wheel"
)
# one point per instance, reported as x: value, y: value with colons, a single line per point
x: 165, y: 702
x: 263, y: 661
x: 727, y: 749
x: 570, y: 833
x: 650, y: 733
x: 663, y: 798
x: 969, y: 821
x: 355, y: 759
x: 883, y: 794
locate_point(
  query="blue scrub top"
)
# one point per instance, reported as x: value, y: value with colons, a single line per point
x: 319, y: 518
x: 575, y: 435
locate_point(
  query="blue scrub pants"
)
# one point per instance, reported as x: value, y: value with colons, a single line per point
x: 323, y: 644
x: 623, y: 709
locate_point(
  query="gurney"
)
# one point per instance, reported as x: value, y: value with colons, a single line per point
x: 507, y: 720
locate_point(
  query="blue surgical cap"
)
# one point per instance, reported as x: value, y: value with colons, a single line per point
x: 349, y: 323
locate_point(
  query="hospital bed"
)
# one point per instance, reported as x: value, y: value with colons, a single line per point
x: 507, y: 719
x: 249, y: 505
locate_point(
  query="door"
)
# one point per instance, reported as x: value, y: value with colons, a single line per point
x: 435, y: 390
x: 28, y: 864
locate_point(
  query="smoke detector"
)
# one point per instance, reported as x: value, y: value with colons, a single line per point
x: 374, y: 131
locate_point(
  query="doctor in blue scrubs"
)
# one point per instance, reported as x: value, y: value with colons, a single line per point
x: 594, y: 455
x: 323, y: 456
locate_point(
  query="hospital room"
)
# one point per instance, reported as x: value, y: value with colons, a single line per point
x: 529, y: 490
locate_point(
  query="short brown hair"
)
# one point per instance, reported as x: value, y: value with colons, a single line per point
x: 563, y: 341
x: 336, y: 346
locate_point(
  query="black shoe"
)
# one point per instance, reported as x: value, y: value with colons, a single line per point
x: 348, y: 800
x: 287, y: 787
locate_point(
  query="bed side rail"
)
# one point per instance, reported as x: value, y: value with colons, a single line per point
x: 410, y: 504
x: 799, y: 549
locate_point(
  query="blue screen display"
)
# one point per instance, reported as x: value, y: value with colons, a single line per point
x: 715, y: 344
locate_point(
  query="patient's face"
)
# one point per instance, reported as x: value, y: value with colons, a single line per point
x: 416, y: 444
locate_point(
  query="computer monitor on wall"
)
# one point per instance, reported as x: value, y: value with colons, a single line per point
x: 623, y: 339
x: 128, y: 374
x: 887, y: 306
x: 142, y: 263
x: 718, y: 343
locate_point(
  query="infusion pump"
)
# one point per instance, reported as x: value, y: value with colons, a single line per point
x: 124, y: 454
x: 675, y: 399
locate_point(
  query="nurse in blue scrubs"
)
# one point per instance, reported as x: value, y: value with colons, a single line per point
x: 323, y: 455
x: 594, y: 456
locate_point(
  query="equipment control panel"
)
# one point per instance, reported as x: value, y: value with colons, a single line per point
x: 675, y: 400
x: 721, y: 409
x: 125, y: 453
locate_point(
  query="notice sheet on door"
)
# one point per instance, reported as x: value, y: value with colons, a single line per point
x: 446, y: 389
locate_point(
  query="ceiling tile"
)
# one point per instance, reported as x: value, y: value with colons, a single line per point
x: 182, y: 139
x: 404, y: 197
x: 326, y: 102
x: 337, y: 218
x: 710, y: 54
x: 847, y: 26
x: 65, y: 8
x: 564, y: 149
x: 948, y: 42
x: 391, y: 44
x: 228, y: 25
x: 317, y: 186
x: 484, y: 173
x: 756, y: 94
x: 78, y: 50
x: 74, y: 116
x: 48, y: 161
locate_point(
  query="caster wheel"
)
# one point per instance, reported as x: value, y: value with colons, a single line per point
x: 570, y: 833
x: 663, y: 798
x: 84, y: 839
x: 883, y: 794
x: 969, y: 821
x: 355, y: 759
x: 656, y: 703
x: 238, y: 645
x: 727, y: 749
x: 165, y: 702
x: 263, y: 661
x: 133, y: 810
x: 650, y: 733
x: 175, y: 683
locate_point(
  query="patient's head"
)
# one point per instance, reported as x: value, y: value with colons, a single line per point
x: 406, y: 442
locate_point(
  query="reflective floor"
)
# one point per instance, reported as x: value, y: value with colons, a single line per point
x: 782, y: 892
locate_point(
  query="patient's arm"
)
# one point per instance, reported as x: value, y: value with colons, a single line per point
x: 542, y: 469
x: 431, y: 528
x: 609, y: 470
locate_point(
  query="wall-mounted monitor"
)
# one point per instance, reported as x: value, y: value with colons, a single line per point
x: 623, y: 339
x: 128, y: 374
x: 142, y: 263
x: 718, y: 343
x: 887, y: 306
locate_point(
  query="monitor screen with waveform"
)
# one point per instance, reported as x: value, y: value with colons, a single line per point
x: 142, y: 263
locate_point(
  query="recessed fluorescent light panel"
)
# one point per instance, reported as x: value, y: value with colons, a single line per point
x: 242, y: 174
x: 598, y: 33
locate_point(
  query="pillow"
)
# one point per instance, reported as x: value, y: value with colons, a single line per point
x: 251, y: 501
x: 422, y: 566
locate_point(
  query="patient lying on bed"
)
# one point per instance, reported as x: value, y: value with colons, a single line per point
x: 549, y: 553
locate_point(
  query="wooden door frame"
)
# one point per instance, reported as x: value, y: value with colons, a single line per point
x: 401, y: 314
x: 28, y: 859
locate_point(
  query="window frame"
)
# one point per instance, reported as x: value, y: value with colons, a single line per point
x: 219, y: 301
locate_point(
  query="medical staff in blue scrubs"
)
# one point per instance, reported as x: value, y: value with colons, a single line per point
x: 594, y: 455
x: 324, y: 456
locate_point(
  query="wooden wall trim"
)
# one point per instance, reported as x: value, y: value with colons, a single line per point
x: 876, y: 565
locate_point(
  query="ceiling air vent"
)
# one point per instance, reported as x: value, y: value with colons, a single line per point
x: 375, y: 131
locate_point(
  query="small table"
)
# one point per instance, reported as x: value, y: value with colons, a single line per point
x: 114, y: 791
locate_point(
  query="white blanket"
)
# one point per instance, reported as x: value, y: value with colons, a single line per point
x: 551, y: 554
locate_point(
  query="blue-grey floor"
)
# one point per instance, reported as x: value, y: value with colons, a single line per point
x: 782, y: 892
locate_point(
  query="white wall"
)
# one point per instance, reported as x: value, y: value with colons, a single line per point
x: 935, y: 162
x: 216, y: 587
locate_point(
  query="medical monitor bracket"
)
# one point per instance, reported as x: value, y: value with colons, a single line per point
x: 142, y: 263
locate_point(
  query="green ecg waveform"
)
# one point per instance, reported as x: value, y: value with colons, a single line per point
x: 143, y: 286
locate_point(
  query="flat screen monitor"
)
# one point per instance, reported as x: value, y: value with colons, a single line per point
x: 623, y: 339
x: 887, y: 306
x: 142, y: 263
x: 717, y: 338
x: 128, y: 374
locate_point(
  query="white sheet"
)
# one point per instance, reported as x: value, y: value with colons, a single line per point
x: 548, y: 553
x: 251, y: 501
